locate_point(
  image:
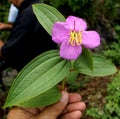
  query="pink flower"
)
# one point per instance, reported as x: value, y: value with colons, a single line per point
x: 72, y: 35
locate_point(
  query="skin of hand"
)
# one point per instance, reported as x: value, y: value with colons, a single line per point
x: 70, y: 106
x: 5, y: 26
x: 1, y: 43
x: 1, y: 25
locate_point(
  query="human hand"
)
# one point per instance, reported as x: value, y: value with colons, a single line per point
x: 1, y: 25
x: 5, y: 26
x: 69, y: 107
x: 1, y: 43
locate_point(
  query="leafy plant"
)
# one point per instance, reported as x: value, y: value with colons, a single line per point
x: 111, y: 109
x: 112, y: 49
x: 4, y: 10
x: 39, y: 79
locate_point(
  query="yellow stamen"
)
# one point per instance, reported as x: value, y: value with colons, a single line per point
x: 75, y: 38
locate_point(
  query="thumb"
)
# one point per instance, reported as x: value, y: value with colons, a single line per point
x: 53, y: 111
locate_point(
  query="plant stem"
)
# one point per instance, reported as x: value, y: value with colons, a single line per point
x: 64, y: 84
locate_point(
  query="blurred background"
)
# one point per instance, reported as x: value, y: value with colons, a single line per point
x: 100, y: 94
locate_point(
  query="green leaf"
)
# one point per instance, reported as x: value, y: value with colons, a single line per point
x: 84, y: 60
x: 101, y: 67
x: 39, y: 76
x: 47, y: 16
x: 45, y: 99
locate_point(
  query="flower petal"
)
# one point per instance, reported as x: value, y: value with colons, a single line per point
x: 76, y: 23
x: 59, y: 32
x: 90, y: 39
x: 70, y: 52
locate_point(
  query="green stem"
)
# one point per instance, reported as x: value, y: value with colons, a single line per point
x: 64, y: 84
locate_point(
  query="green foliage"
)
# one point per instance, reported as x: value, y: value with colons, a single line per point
x: 49, y: 16
x: 101, y: 66
x: 4, y: 10
x: 112, y: 52
x: 86, y: 59
x: 101, y: 15
x: 87, y: 63
x: 113, y: 99
x: 96, y: 113
x: 111, y: 110
x: 112, y: 49
x: 78, y: 84
x: 36, y: 81
x: 94, y: 11
x: 39, y: 78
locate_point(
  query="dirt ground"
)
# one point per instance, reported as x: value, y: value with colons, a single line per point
x: 93, y: 92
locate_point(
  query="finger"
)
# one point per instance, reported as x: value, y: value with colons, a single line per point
x: 74, y: 97
x: 72, y: 115
x: 75, y: 106
x: 53, y: 111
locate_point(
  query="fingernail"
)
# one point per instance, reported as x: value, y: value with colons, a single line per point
x: 65, y: 97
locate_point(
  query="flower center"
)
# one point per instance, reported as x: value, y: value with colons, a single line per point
x: 75, y: 38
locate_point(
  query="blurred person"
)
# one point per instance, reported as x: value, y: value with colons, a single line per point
x: 13, y: 12
x: 27, y: 38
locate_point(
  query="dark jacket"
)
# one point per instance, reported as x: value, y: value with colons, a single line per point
x: 27, y: 39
